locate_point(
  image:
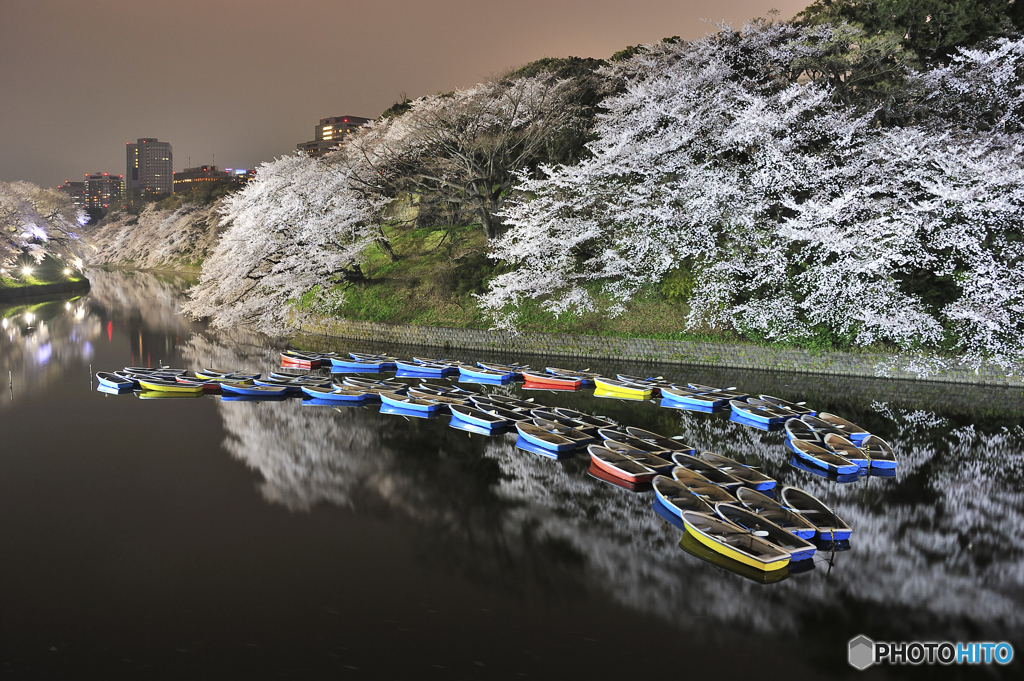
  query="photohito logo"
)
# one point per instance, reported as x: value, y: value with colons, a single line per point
x: 863, y: 652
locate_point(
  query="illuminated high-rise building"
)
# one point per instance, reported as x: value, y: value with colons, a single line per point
x: 104, y: 191
x: 150, y: 167
x: 331, y: 131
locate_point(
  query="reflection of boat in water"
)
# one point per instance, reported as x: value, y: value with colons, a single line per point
x: 797, y: 462
x: 269, y: 397
x: 161, y: 395
x: 693, y: 547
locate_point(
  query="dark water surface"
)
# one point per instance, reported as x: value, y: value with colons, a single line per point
x: 194, y: 538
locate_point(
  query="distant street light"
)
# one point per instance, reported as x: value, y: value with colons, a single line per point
x: 26, y: 271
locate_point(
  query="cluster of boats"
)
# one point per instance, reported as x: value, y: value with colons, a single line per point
x: 725, y: 506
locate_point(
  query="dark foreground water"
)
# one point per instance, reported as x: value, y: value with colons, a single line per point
x: 194, y: 538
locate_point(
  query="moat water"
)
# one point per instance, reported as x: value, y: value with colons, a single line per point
x: 197, y: 538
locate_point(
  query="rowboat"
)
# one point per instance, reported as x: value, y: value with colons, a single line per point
x: 454, y: 363
x: 763, y: 415
x: 334, y: 394
x: 564, y: 421
x: 604, y: 476
x: 208, y: 386
x: 626, y: 467
x: 823, y: 458
x: 484, y: 374
x: 692, y: 546
x: 384, y: 359
x: 589, y: 419
x: 369, y: 366
x: 624, y: 438
x: 252, y: 390
x: 504, y: 368
x: 413, y: 404
x: 544, y: 439
x: 300, y: 359
x: 532, y: 447
x: 440, y: 397
x: 678, y: 498
x: 852, y: 431
x: 692, y: 400
x: 669, y: 443
x: 735, y: 542
x: 586, y: 377
x: 295, y: 385
x: 879, y: 452
x: 161, y: 386
x: 370, y: 384
x: 218, y: 377
x: 798, y: 430
x: 784, y: 517
x: 846, y: 449
x: 821, y: 428
x: 828, y: 525
x: 478, y: 417
x: 153, y: 370
x: 819, y: 472
x: 509, y: 401
x: 510, y: 415
x: 216, y: 373
x: 113, y: 381
x: 797, y: 408
x: 751, y: 478
x: 422, y: 369
x: 712, y: 473
x: 577, y: 436
x: 552, y: 381
x: 623, y: 389
x: 701, y: 486
x: 797, y: 548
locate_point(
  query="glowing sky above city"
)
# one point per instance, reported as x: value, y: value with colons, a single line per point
x: 247, y: 80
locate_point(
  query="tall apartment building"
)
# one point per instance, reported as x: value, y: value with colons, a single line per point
x: 104, y: 191
x: 331, y: 131
x: 150, y: 167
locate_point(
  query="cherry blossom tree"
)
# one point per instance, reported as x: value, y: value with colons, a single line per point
x: 37, y: 222
x: 294, y: 232
x: 796, y: 217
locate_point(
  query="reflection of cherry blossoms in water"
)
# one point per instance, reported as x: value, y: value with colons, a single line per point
x: 154, y: 299
x: 927, y: 545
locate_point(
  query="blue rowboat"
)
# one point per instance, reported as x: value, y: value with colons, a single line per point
x: 424, y: 370
x: 407, y: 413
x: 334, y: 394
x: 798, y: 430
x: 313, y: 402
x: 800, y: 464
x: 688, y: 398
x: 111, y: 391
x: 827, y: 523
x: 846, y: 449
x: 544, y: 439
x: 479, y: 373
x: 527, y: 445
x: 798, y: 549
x: 459, y: 424
x: 765, y: 416
x: 356, y: 365
x: 669, y: 443
x: 666, y: 514
x: 677, y: 498
x: 412, y: 404
x: 850, y: 431
x: 478, y: 417
x: 114, y: 382
x: 819, y: 456
x: 797, y: 408
x: 228, y: 388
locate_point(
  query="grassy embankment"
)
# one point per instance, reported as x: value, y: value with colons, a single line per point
x: 439, y: 268
x: 50, y: 271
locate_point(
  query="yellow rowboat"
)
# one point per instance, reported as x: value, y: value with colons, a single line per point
x: 735, y: 542
x: 693, y: 547
x: 612, y: 388
x: 170, y: 387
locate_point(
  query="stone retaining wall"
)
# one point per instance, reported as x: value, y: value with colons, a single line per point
x: 637, y: 349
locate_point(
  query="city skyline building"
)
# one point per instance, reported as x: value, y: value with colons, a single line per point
x: 75, y: 190
x: 330, y: 132
x: 149, y: 167
x: 104, y: 191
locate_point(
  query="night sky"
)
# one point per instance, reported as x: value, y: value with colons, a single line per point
x: 246, y: 81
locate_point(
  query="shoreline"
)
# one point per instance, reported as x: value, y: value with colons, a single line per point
x: 642, y: 350
x: 24, y: 294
